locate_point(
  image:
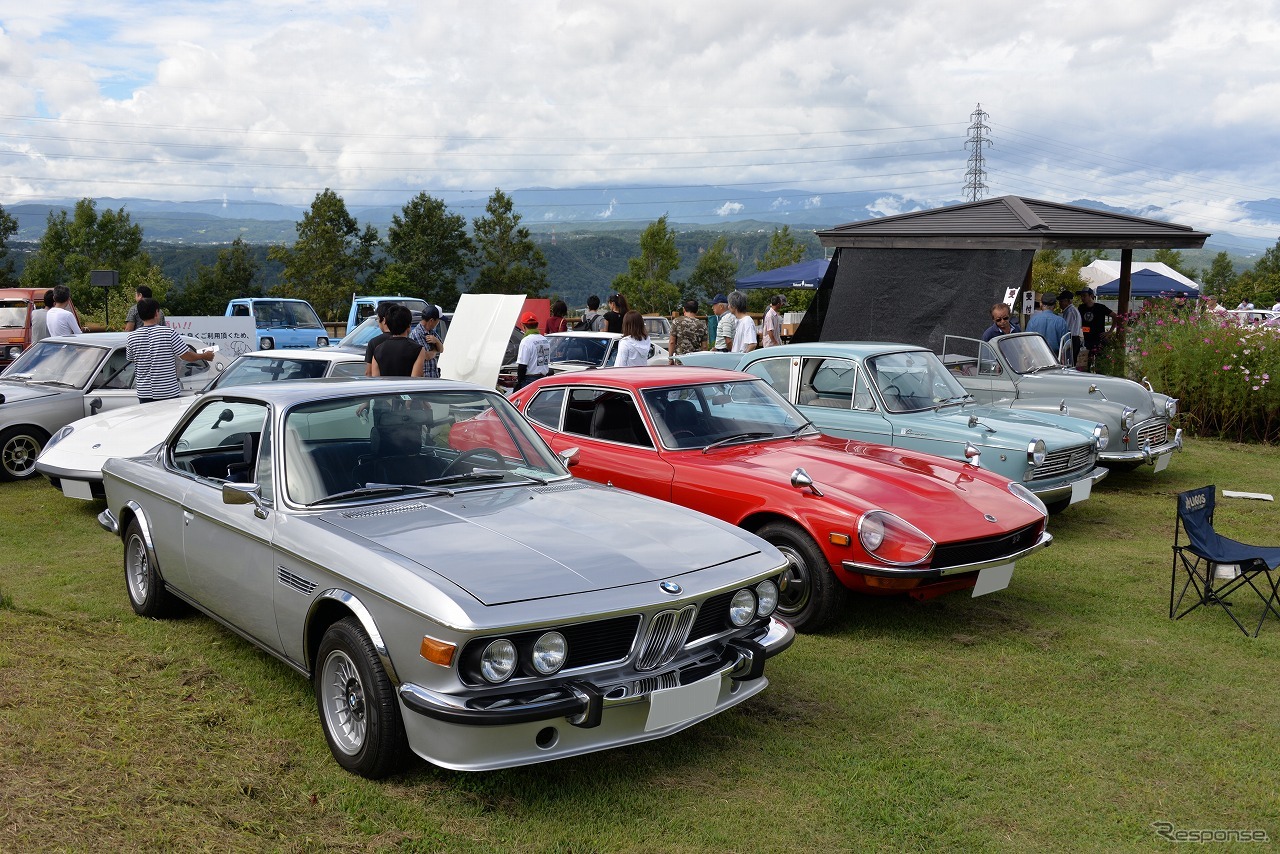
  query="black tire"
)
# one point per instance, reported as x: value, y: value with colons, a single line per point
x: 19, y: 447
x: 1055, y: 507
x: 812, y: 596
x: 142, y: 580
x: 358, y: 708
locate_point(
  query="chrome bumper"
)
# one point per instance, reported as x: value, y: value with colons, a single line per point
x: 928, y: 572
x: 1058, y: 491
x: 1145, y: 454
x: 582, y: 702
x: 108, y: 522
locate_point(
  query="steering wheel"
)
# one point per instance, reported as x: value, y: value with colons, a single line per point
x: 897, y: 392
x: 471, y: 454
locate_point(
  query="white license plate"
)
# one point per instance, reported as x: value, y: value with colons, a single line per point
x: 993, y: 578
x: 77, y: 489
x: 668, y: 706
x: 1162, y: 461
x: 1080, y: 490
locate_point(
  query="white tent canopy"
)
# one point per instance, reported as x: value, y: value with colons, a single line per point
x: 1101, y: 272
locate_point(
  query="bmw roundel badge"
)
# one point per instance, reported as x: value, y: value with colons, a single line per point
x: 670, y: 587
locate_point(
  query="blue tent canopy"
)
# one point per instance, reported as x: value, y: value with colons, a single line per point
x: 806, y: 274
x: 1144, y: 284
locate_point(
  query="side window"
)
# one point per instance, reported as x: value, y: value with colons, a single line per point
x: 616, y: 419
x: 863, y: 399
x: 775, y: 372
x: 545, y: 408
x: 116, y: 372
x: 348, y: 369
x: 192, y: 369
x: 581, y: 408
x: 969, y: 357
x: 264, y: 476
x: 221, y: 441
x: 827, y: 382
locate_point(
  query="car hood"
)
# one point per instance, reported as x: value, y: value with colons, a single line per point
x: 1013, y: 429
x: 517, y: 544
x: 947, y: 500
x: 1068, y: 385
x: 126, y: 432
x: 22, y: 393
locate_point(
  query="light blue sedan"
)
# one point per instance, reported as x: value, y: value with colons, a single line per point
x: 903, y: 396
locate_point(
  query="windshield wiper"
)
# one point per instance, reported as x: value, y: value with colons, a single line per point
x: 477, y: 475
x: 58, y: 383
x: 21, y: 378
x: 807, y: 423
x: 740, y: 437
x: 1041, y: 368
x: 958, y: 398
x: 379, y: 489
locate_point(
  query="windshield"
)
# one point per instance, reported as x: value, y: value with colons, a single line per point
x: 378, y: 446
x: 1026, y: 353
x: 362, y: 334
x: 62, y: 363
x: 281, y: 313
x: 251, y: 370
x: 912, y: 381
x: 699, y: 416
x: 579, y: 349
x: 13, y: 315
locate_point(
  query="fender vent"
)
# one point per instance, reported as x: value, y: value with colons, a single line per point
x: 297, y: 582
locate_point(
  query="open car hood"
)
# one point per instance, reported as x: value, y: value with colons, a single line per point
x: 521, y: 543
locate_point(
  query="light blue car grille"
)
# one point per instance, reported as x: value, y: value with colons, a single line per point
x: 1155, y: 432
x: 1066, y: 461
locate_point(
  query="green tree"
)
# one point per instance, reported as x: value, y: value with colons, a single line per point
x: 647, y: 283
x: 1085, y: 257
x: 8, y: 228
x: 1052, y: 274
x: 510, y: 262
x: 1260, y: 286
x: 229, y: 277
x: 431, y: 248
x: 1221, y: 275
x: 1174, y: 259
x: 331, y: 259
x: 716, y: 271
x: 73, y: 247
x: 784, y: 249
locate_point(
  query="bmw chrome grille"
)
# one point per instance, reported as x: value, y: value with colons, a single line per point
x: 664, y: 637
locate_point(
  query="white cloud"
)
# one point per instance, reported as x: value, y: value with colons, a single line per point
x: 730, y: 208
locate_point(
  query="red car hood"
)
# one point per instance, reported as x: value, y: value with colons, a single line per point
x: 947, y: 500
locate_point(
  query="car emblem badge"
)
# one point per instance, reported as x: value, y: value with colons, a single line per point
x: 670, y: 587
x: 988, y: 517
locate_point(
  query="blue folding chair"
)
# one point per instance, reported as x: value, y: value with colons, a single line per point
x: 1215, y: 567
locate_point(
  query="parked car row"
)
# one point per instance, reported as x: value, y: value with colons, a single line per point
x: 411, y: 546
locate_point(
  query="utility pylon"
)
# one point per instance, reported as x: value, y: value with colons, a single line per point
x: 975, y: 176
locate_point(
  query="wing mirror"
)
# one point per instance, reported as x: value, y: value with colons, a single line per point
x: 245, y: 493
x: 95, y: 405
x: 569, y: 457
x: 224, y: 415
x: 800, y: 479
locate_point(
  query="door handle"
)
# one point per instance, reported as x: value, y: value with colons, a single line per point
x: 187, y: 516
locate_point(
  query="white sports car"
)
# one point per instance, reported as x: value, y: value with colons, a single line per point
x: 72, y: 458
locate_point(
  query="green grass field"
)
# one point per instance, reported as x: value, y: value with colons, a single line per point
x: 1066, y: 712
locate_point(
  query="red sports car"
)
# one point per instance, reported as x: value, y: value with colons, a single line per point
x: 845, y: 513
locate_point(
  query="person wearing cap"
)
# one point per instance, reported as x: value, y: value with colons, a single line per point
x: 726, y: 325
x: 1071, y: 314
x: 424, y: 333
x: 533, y: 361
x: 771, y: 329
x: 1211, y: 306
x: 1093, y: 321
x: 1001, y: 322
x: 1048, y: 325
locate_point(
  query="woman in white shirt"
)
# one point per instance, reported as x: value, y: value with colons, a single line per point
x: 634, y: 348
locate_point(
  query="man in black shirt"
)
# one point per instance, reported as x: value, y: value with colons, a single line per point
x: 372, y: 346
x: 1093, y: 320
x: 398, y: 355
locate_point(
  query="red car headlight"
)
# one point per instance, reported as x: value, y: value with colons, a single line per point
x: 894, y: 540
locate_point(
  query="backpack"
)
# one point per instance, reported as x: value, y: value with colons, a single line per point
x: 587, y: 323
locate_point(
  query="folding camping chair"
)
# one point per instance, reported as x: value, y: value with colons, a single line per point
x: 1215, y: 567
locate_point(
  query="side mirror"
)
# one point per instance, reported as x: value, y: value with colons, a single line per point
x: 800, y: 479
x: 94, y: 405
x: 245, y: 493
x: 224, y: 415
x: 569, y: 457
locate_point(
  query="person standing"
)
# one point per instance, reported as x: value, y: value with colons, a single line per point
x: 131, y: 319
x: 592, y: 320
x: 59, y: 319
x: 424, y: 334
x: 617, y: 310
x: 398, y: 355
x: 372, y: 347
x: 634, y: 347
x: 771, y: 329
x: 688, y: 332
x: 1093, y: 321
x: 556, y: 322
x: 155, y: 350
x: 725, y: 326
x: 533, y: 361
x: 1048, y: 325
x: 1001, y: 322
x: 744, y: 328
x: 1071, y: 315
x: 40, y: 318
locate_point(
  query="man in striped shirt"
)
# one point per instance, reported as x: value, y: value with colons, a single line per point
x: 154, y: 350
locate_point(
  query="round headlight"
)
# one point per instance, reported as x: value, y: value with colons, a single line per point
x: 498, y: 661
x: 1028, y: 496
x: 322, y: 341
x: 549, y: 653
x: 871, y: 532
x: 1126, y: 417
x: 1101, y: 435
x: 15, y: 351
x: 742, y: 607
x: 766, y: 598
x: 1036, y: 451
x: 1171, y: 407
x: 267, y: 343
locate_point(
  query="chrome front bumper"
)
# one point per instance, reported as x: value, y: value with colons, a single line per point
x: 1145, y: 454
x: 108, y: 522
x: 883, y: 571
x: 1056, y: 490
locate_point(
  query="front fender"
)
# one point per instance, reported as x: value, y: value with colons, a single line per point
x: 351, y: 603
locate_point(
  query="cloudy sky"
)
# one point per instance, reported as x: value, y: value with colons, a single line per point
x: 1164, y: 103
